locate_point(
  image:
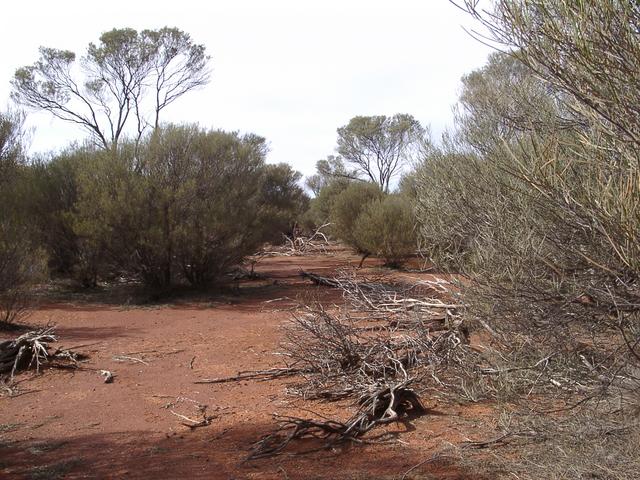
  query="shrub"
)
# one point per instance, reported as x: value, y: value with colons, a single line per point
x: 536, y: 200
x: 184, y: 204
x: 282, y: 201
x: 21, y: 263
x: 347, y: 207
x: 53, y: 192
x: 20, y: 259
x: 319, y: 212
x: 386, y: 228
x: 540, y: 211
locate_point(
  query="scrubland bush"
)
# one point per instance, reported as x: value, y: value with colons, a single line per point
x: 319, y: 212
x: 20, y: 259
x: 283, y: 202
x: 53, y: 192
x: 186, y: 204
x: 347, y: 207
x: 535, y: 198
x: 386, y: 228
x: 540, y: 207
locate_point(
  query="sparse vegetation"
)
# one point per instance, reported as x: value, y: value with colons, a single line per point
x: 528, y: 208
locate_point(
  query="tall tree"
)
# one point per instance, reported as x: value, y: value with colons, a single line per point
x: 378, y: 146
x: 126, y: 75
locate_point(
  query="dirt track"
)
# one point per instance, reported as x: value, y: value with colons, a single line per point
x: 69, y: 424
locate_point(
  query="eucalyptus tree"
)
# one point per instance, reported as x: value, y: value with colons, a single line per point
x: 378, y: 146
x: 126, y: 77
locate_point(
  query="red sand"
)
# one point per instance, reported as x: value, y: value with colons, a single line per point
x: 69, y: 424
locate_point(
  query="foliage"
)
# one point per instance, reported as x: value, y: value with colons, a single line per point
x: 378, y: 146
x: 319, y: 212
x: 386, y: 228
x: 53, y: 192
x: 535, y: 198
x: 282, y: 201
x: 20, y: 260
x: 130, y: 76
x: 332, y: 169
x: 188, y: 206
x: 347, y: 207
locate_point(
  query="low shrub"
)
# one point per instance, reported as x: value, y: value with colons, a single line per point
x: 386, y: 228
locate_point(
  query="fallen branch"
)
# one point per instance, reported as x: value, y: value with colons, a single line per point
x: 385, y: 405
x: 255, y: 375
x: 125, y: 358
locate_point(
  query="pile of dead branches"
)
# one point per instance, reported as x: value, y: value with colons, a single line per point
x: 298, y: 244
x: 382, y: 406
x: 32, y: 351
x: 381, y: 371
x: 340, y: 356
x: 375, y: 354
x: 379, y: 353
x: 400, y: 304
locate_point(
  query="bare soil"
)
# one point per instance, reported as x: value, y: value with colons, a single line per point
x: 69, y: 424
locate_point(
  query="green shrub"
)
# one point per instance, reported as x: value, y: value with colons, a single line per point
x: 347, y: 207
x: 319, y: 212
x: 21, y: 261
x: 282, y: 201
x: 184, y: 205
x: 53, y: 192
x: 386, y: 228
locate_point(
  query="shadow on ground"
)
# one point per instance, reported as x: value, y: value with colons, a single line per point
x: 209, y: 454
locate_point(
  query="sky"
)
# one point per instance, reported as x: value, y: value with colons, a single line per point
x: 292, y: 71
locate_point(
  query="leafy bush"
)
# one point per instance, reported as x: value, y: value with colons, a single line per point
x: 53, y: 192
x: 347, y: 207
x: 319, y: 212
x: 386, y: 228
x: 536, y: 199
x: 282, y: 201
x: 542, y: 214
x: 20, y: 259
x: 184, y: 204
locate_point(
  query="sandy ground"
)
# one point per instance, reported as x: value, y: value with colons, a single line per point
x: 69, y: 424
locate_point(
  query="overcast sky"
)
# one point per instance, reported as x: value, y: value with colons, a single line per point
x: 292, y: 71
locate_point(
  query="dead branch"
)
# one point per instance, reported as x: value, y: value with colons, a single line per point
x: 203, y: 422
x: 385, y: 405
x: 31, y: 350
x: 385, y: 297
x: 318, y: 280
x: 127, y: 358
x: 255, y: 375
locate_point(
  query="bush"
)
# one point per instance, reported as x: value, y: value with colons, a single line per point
x: 347, y: 207
x: 543, y: 214
x: 21, y: 263
x: 386, y: 228
x: 53, y: 192
x: 20, y: 259
x: 184, y: 204
x: 536, y: 200
x: 282, y: 201
x: 319, y: 212
x: 540, y: 211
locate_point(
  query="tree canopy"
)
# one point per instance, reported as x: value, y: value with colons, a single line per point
x: 378, y: 146
x: 127, y: 77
